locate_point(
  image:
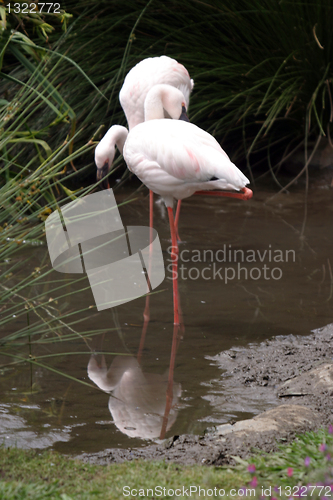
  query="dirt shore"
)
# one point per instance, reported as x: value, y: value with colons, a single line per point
x: 297, y: 370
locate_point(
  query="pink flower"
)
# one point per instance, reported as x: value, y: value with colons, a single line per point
x: 330, y: 429
x: 251, y: 468
x: 254, y: 482
x: 322, y: 447
x: 328, y: 457
x: 290, y: 471
x: 307, y: 461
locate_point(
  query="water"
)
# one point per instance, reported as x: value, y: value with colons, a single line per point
x: 278, y: 283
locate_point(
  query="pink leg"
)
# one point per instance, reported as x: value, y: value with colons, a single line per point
x: 177, y: 218
x: 174, y: 257
x: 243, y: 194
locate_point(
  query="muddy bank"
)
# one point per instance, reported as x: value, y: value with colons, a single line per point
x: 298, y: 371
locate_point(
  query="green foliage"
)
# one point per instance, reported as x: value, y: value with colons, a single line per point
x: 34, y: 171
x: 20, y: 16
x: 302, y: 462
x: 18, y: 491
x: 262, y: 69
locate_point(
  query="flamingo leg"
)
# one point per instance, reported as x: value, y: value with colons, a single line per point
x: 174, y: 258
x: 177, y: 218
x: 243, y: 194
x: 169, y: 392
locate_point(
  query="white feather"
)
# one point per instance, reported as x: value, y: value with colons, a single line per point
x: 175, y: 159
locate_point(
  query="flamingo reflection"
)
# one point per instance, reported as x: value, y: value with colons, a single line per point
x: 142, y: 404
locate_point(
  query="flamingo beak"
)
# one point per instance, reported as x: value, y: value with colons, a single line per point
x: 101, y: 174
x: 184, y: 116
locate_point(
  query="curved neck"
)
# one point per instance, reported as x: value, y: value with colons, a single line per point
x: 154, y: 103
x: 117, y: 135
x: 162, y: 98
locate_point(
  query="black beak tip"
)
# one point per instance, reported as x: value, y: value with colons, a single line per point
x: 101, y: 175
x: 184, y: 116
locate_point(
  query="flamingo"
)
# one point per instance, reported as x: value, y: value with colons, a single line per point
x: 177, y: 159
x: 139, y: 401
x: 140, y: 79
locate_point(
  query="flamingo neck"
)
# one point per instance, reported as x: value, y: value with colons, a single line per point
x: 163, y: 97
x: 117, y: 135
x: 154, y: 103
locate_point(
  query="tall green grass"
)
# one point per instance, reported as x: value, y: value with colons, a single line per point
x: 35, y: 176
x: 262, y: 69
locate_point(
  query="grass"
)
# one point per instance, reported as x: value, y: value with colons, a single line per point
x: 296, y: 463
x: 86, y: 481
x: 29, y: 474
x: 36, y: 177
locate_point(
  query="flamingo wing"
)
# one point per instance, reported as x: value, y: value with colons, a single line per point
x: 175, y: 158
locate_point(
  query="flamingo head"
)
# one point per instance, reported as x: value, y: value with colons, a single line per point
x: 103, y: 159
x: 106, y: 149
x: 102, y: 173
x: 184, y: 116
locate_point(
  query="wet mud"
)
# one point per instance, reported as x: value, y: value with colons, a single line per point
x: 297, y: 370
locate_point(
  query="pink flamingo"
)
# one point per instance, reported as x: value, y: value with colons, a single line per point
x: 140, y: 79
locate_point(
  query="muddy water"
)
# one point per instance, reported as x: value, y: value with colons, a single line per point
x: 248, y: 271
